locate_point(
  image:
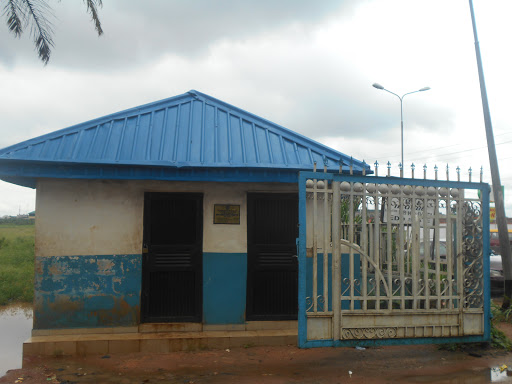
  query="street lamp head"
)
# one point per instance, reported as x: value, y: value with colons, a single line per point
x: 378, y: 86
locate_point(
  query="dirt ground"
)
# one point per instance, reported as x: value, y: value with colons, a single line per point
x: 286, y: 364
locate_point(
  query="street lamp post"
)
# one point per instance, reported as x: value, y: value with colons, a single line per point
x: 378, y: 86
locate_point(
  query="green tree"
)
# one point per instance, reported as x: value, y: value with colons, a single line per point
x: 35, y: 15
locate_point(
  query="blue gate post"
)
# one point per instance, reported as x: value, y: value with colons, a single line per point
x: 302, y: 315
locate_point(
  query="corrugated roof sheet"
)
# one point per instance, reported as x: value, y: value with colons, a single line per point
x: 189, y: 130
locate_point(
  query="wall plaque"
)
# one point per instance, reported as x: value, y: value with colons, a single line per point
x: 226, y: 214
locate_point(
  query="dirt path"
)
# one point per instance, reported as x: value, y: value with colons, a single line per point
x: 397, y: 364
x: 287, y: 364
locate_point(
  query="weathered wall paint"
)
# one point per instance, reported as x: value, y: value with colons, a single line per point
x: 98, y: 217
x: 88, y: 217
x: 224, y: 288
x: 87, y: 291
x: 80, y: 221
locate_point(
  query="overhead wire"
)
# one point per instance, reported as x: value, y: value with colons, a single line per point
x: 442, y: 157
x: 393, y: 155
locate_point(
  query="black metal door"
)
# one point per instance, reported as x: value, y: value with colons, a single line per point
x: 172, y: 261
x: 272, y: 275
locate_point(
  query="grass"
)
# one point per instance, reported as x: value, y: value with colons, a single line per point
x: 16, y: 263
x: 498, y: 338
x: 500, y: 315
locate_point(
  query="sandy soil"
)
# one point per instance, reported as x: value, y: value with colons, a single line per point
x: 286, y: 364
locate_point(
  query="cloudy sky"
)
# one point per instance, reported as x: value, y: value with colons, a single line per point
x: 308, y: 66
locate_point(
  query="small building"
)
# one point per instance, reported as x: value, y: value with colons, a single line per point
x: 180, y: 214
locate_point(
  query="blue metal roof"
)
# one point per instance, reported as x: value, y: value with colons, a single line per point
x: 192, y: 132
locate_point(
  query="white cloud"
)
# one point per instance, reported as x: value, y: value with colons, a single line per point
x: 308, y: 68
x: 16, y: 199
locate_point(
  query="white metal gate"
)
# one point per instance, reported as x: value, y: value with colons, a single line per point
x: 387, y: 260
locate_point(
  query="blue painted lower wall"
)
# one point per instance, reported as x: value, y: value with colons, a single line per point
x: 104, y: 290
x: 224, y: 288
x: 87, y: 291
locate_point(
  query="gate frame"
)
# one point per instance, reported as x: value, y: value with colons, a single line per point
x: 303, y: 342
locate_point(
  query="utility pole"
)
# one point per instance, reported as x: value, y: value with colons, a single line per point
x: 501, y: 219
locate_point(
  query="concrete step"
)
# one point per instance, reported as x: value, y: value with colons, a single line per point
x: 153, y: 342
x: 199, y: 327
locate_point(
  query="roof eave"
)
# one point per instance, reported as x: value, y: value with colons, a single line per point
x: 26, y: 173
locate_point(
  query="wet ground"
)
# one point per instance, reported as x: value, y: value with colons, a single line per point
x: 15, y: 328
x: 283, y: 364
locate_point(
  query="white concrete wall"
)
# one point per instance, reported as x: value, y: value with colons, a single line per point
x: 94, y: 217
x: 81, y: 217
x: 230, y: 238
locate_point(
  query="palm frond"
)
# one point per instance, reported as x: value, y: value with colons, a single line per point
x: 37, y: 14
x: 14, y: 15
x: 92, y: 9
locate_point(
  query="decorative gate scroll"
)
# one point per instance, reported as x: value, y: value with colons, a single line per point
x: 392, y: 260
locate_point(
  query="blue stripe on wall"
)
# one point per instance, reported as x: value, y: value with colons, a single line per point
x: 87, y: 291
x: 224, y: 288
